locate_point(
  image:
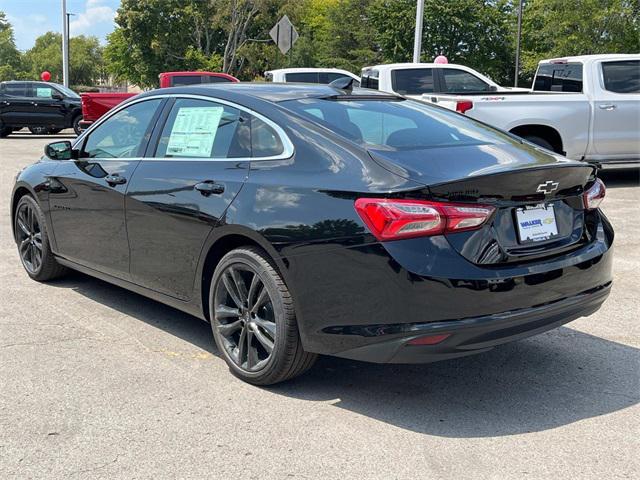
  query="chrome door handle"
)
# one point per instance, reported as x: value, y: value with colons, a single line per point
x: 607, y: 106
x: 114, y: 180
x: 209, y: 187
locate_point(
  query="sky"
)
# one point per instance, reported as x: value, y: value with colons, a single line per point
x: 32, y: 18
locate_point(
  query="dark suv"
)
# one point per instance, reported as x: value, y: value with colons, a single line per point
x: 40, y: 106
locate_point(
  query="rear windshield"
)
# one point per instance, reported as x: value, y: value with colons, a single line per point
x: 622, y: 77
x: 559, y: 77
x: 395, y: 124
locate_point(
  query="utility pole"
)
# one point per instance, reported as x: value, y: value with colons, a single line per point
x: 515, y: 82
x: 65, y: 44
x: 417, y: 41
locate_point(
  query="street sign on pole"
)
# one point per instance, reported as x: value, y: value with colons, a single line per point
x: 284, y: 34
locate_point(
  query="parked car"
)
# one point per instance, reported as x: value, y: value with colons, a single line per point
x: 94, y: 105
x: 42, y: 107
x: 586, y: 107
x: 306, y: 219
x: 417, y: 79
x: 322, y: 76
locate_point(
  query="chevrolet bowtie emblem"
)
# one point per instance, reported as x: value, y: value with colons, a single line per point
x: 547, y: 187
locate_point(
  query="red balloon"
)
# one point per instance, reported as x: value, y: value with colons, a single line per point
x: 45, y: 76
x: 441, y: 59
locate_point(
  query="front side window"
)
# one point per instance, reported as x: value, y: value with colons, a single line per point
x: 559, y: 77
x: 622, y: 77
x: 42, y: 91
x: 395, y: 124
x: 459, y: 81
x: 412, y: 81
x: 122, y: 135
x: 204, y: 129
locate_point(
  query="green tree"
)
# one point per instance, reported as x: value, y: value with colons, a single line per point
x: 471, y: 32
x: 10, y: 58
x: 558, y: 28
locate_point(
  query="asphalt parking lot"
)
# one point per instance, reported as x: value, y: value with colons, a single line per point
x: 98, y: 382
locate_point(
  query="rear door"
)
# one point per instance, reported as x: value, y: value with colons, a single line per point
x: 87, y: 195
x: 182, y: 189
x: 16, y: 103
x: 616, y: 124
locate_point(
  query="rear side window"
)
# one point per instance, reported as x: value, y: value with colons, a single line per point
x: 14, y: 89
x: 203, y: 129
x: 123, y: 135
x: 265, y: 142
x: 302, y: 77
x: 412, y: 81
x: 559, y: 77
x: 459, y: 81
x: 180, y: 80
x: 622, y: 77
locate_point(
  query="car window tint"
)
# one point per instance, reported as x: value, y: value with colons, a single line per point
x: 303, y: 77
x: 412, y: 81
x: 213, y: 79
x: 622, y: 77
x: 265, y: 142
x: 179, y: 80
x: 396, y: 125
x: 459, y: 81
x: 15, y: 89
x: 204, y: 129
x: 370, y: 79
x: 559, y: 77
x: 122, y: 135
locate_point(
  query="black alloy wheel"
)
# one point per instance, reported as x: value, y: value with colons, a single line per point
x: 253, y: 319
x: 33, y: 243
x: 76, y: 125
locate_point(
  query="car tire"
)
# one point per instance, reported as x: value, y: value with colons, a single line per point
x: 32, y: 239
x: 541, y: 142
x: 5, y: 131
x: 76, y: 124
x: 40, y: 130
x: 253, y: 319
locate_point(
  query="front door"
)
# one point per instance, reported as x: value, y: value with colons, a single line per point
x: 616, y: 110
x: 180, y: 192
x: 87, y: 194
x: 47, y: 110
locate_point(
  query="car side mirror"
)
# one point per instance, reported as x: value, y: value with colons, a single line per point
x: 57, y: 96
x: 60, y: 151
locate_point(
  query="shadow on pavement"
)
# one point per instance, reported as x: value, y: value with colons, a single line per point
x: 26, y: 135
x: 554, y: 379
x: 623, y: 177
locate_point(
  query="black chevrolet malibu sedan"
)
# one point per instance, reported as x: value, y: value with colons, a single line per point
x: 303, y: 220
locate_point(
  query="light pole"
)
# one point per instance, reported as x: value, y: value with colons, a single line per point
x: 65, y: 44
x: 417, y: 41
x: 515, y: 82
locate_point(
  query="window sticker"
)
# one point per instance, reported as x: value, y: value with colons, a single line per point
x: 43, y: 92
x: 194, y: 131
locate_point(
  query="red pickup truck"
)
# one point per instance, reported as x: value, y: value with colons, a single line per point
x: 94, y: 105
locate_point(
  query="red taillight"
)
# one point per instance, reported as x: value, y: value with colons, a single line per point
x: 393, y: 219
x: 429, y: 339
x: 593, y: 197
x: 463, y: 105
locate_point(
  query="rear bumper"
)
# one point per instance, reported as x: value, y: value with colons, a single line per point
x: 469, y: 335
x: 367, y: 301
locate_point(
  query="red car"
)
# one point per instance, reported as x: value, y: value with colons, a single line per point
x: 94, y: 105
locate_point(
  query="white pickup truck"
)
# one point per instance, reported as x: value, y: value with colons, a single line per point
x: 586, y: 107
x: 309, y: 75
